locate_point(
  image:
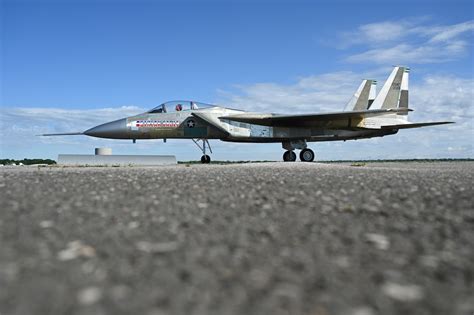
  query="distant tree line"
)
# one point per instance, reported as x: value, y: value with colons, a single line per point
x: 27, y: 161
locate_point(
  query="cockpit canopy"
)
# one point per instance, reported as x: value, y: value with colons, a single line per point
x: 177, y: 106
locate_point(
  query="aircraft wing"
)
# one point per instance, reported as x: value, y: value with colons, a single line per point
x: 307, y: 119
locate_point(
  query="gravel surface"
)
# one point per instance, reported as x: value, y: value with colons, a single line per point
x: 270, y: 238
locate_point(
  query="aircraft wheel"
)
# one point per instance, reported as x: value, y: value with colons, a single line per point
x: 205, y: 159
x: 289, y: 156
x: 307, y: 155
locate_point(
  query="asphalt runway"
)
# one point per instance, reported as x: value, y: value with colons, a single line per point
x: 270, y: 238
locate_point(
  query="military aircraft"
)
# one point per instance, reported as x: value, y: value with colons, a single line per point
x: 366, y: 115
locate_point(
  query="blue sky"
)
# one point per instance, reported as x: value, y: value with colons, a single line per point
x: 69, y: 65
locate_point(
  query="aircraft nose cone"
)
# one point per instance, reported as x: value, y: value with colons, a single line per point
x: 115, y: 129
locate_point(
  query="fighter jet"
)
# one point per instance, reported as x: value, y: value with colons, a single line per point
x: 364, y: 116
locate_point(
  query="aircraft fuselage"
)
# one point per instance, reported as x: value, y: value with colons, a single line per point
x: 183, y: 125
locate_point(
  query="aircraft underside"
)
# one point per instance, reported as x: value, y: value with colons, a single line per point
x: 334, y: 136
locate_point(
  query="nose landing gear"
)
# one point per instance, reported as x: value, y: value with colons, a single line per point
x: 205, y: 159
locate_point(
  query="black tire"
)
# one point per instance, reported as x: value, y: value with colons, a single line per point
x: 205, y: 159
x: 307, y: 155
x: 289, y: 156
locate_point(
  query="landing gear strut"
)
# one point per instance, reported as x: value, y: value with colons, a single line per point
x: 205, y: 159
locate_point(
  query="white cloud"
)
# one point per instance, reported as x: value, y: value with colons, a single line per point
x: 377, y: 33
x: 61, y: 120
x: 20, y: 128
x: 411, y: 54
x: 447, y: 33
x: 445, y: 95
x: 382, y: 32
x: 409, y: 41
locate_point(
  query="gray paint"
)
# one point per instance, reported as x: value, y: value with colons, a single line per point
x: 403, y: 101
x: 115, y: 129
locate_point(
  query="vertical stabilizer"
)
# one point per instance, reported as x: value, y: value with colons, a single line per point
x: 390, y: 92
x: 361, y: 98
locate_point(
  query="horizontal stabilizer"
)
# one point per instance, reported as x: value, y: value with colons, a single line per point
x: 62, y: 134
x: 416, y: 125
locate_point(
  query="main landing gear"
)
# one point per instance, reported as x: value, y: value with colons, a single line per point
x: 306, y: 155
x: 205, y: 159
